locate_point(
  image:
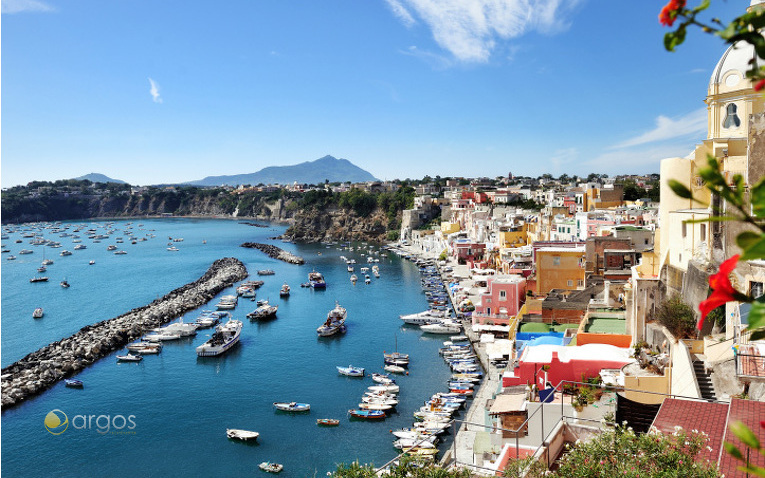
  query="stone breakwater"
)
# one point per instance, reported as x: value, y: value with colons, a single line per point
x: 275, y: 253
x: 40, y: 370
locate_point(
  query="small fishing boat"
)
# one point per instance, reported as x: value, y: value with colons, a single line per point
x: 351, y: 371
x: 354, y: 278
x: 39, y: 279
x: 64, y: 284
x: 327, y: 422
x: 129, y: 358
x: 73, y: 383
x: 367, y: 414
x: 271, y: 467
x: 38, y: 313
x: 382, y: 378
x: 292, y: 406
x: 91, y: 263
x: 394, y: 368
x: 284, y: 291
x: 244, y: 435
x: 265, y: 311
x: 316, y: 280
x: 266, y: 272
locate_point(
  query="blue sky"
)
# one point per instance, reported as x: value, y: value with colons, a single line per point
x: 173, y: 91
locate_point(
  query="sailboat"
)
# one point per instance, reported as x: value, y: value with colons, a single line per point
x: 396, y: 358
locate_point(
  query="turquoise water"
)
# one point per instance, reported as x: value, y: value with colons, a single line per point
x: 182, y: 405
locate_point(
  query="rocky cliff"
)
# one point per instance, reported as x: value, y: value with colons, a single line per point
x: 338, y: 224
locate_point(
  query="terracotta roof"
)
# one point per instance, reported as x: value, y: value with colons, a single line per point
x: 714, y: 419
x: 749, y: 412
x: 710, y: 418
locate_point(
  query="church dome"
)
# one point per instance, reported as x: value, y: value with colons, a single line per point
x: 736, y: 59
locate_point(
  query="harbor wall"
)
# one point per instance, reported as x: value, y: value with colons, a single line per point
x: 43, y: 368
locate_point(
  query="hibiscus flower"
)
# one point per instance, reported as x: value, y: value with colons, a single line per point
x: 723, y: 291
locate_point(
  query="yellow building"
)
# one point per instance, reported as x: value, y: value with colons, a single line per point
x: 449, y: 228
x: 559, y: 268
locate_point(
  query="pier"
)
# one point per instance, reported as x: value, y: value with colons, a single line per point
x: 41, y: 369
x: 275, y: 252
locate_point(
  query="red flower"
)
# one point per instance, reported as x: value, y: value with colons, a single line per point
x: 760, y: 85
x: 670, y: 11
x: 723, y: 290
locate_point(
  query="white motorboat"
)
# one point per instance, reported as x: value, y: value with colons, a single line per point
x: 390, y: 388
x: 335, y: 322
x: 210, y: 318
x: 224, y: 337
x: 265, y: 311
x: 285, y: 290
x: 38, y: 313
x: 424, y: 442
x: 129, y: 358
x: 244, y: 435
x: 162, y: 337
x: 292, y: 406
x: 271, y: 467
x: 382, y: 378
x: 184, y: 329
x: 145, y: 348
x: 375, y: 406
x: 425, y: 317
x: 394, y: 368
x: 443, y: 327
x: 227, y: 302
x: 351, y: 371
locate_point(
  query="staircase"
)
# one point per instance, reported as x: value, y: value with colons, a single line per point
x: 704, y: 379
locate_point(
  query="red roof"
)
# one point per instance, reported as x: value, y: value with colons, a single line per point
x: 714, y: 419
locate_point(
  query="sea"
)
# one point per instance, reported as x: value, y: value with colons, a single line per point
x: 168, y: 414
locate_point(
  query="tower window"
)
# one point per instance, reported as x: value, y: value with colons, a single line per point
x: 731, y: 118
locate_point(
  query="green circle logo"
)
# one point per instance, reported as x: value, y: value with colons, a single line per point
x: 56, y: 422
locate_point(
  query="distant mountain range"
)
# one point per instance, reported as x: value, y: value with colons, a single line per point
x: 99, y: 178
x: 309, y: 172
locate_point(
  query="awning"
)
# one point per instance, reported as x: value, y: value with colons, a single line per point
x: 509, y: 402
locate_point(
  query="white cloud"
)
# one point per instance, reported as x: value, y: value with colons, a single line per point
x: 20, y: 6
x: 562, y: 157
x: 470, y: 29
x: 666, y: 128
x: 435, y: 60
x: 401, y: 12
x: 154, y: 91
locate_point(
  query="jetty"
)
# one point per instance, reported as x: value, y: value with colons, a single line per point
x: 41, y: 369
x: 275, y: 253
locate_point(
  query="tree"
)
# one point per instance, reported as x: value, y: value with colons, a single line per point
x: 677, y: 317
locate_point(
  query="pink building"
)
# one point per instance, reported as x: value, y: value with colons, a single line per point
x: 468, y: 252
x: 565, y: 363
x: 501, y: 301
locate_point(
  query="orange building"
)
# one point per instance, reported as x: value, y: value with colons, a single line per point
x: 559, y: 268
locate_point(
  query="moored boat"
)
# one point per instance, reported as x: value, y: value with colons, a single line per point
x: 224, y: 337
x: 265, y: 311
x: 292, y: 406
x: 316, y: 280
x: 367, y: 414
x: 129, y: 358
x: 351, y: 371
x: 271, y: 467
x: 38, y: 313
x: 335, y: 322
x: 327, y: 422
x: 266, y: 272
x: 73, y: 383
x: 284, y: 291
x: 39, y: 279
x: 244, y: 435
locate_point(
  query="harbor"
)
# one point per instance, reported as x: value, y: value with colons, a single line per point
x: 279, y: 360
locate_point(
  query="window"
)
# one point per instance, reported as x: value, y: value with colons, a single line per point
x: 731, y: 118
x: 502, y: 295
x: 703, y: 232
x: 488, y: 310
x: 756, y: 289
x: 580, y: 283
x: 570, y: 283
x: 556, y: 260
x: 685, y: 229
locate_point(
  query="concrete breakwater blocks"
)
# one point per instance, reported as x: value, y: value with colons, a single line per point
x: 275, y: 253
x: 41, y: 369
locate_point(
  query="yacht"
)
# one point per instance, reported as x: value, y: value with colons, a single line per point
x: 225, y: 337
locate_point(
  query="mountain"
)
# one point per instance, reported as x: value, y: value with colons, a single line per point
x: 100, y: 178
x: 310, y: 172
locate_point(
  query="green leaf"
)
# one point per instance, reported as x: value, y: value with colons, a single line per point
x: 679, y: 189
x: 702, y: 6
x: 756, y: 316
x: 758, y: 198
x: 746, y: 435
x: 747, y: 239
x: 733, y: 451
x: 673, y: 39
x: 754, y: 250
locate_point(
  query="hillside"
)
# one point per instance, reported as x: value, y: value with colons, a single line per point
x: 99, y: 178
x: 310, y: 172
